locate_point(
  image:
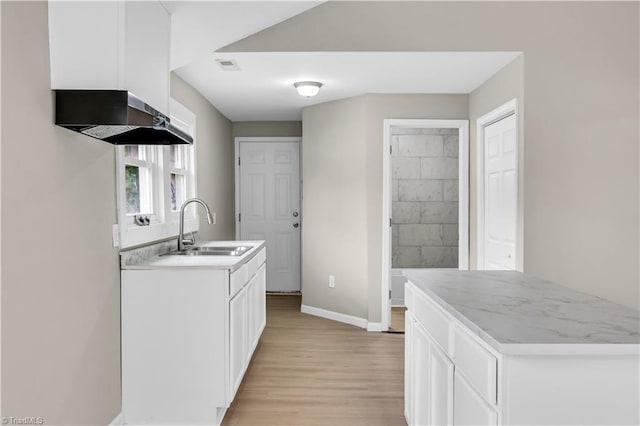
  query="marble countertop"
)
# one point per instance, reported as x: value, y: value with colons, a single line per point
x: 519, y: 314
x: 200, y: 262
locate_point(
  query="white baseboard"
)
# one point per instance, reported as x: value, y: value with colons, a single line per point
x: 117, y: 421
x: 335, y: 316
x: 375, y: 326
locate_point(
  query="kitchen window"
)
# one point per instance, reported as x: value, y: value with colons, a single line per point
x: 153, y: 182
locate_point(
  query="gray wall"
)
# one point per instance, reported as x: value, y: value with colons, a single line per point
x: 334, y: 230
x: 266, y: 129
x: 580, y: 215
x: 342, y: 204
x: 214, y: 160
x: 506, y: 84
x: 60, y: 307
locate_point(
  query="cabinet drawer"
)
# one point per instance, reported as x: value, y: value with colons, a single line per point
x: 254, y: 264
x: 477, y: 364
x: 430, y: 316
x: 238, y: 279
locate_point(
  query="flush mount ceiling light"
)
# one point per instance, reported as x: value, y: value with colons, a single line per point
x: 307, y: 88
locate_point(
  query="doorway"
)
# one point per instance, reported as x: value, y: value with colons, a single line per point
x: 425, y: 203
x: 497, y: 137
x: 268, y: 205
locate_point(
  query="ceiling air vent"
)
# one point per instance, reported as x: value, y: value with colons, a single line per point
x: 228, y: 64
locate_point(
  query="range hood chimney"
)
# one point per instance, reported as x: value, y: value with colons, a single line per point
x: 117, y: 117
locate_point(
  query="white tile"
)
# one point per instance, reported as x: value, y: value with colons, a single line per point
x: 405, y: 212
x: 451, y: 190
x: 439, y: 212
x: 420, y: 190
x: 439, y: 168
x: 406, y: 257
x: 420, y: 235
x: 450, y: 235
x: 405, y: 168
x: 394, y: 146
x: 451, y: 146
x: 421, y: 145
x: 439, y: 257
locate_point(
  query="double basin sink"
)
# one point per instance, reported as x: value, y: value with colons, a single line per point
x: 211, y: 251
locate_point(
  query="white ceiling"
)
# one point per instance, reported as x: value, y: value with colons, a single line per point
x: 263, y: 87
x: 202, y: 27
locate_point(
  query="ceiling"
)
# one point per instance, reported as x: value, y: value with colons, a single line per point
x: 262, y: 89
x: 201, y: 27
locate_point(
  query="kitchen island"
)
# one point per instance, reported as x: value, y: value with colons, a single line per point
x: 190, y: 325
x: 503, y: 347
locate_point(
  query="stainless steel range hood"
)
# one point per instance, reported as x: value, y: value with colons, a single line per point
x: 117, y: 117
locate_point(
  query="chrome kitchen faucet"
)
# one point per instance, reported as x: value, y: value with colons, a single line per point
x: 182, y: 241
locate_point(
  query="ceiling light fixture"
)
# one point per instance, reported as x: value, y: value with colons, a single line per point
x: 307, y: 88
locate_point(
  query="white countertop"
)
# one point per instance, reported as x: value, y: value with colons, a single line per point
x: 201, y: 262
x: 519, y: 314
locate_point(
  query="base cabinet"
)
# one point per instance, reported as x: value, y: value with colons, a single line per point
x: 429, y: 387
x: 453, y: 377
x: 187, y: 339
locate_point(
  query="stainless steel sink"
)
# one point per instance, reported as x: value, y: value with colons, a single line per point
x: 211, y: 251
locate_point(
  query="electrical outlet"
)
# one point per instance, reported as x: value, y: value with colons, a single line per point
x: 332, y: 281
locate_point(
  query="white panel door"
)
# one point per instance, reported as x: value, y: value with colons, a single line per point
x: 270, y: 207
x: 500, y: 194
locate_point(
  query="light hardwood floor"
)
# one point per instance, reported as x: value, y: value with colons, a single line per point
x: 397, y: 318
x: 311, y: 371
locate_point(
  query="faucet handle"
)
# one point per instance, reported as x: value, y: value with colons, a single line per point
x: 187, y: 241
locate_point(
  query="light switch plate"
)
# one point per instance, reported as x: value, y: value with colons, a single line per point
x: 115, y: 232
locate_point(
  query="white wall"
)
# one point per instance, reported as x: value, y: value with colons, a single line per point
x: 580, y: 216
x: 214, y: 160
x: 60, y: 273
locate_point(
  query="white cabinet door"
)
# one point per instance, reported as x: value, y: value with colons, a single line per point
x: 468, y: 407
x: 408, y: 366
x: 260, y: 305
x: 238, y: 340
x: 441, y: 387
x: 420, y: 347
x: 147, y: 44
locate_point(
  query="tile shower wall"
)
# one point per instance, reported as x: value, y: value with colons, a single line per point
x: 425, y: 198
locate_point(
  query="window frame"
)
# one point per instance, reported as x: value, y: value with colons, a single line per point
x: 164, y: 221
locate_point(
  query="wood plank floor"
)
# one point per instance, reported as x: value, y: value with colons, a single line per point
x: 397, y: 318
x: 311, y: 371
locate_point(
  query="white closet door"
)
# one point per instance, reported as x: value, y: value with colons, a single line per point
x: 500, y: 194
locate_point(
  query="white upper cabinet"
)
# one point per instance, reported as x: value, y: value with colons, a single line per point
x: 111, y: 45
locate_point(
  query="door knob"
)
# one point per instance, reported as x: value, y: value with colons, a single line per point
x: 295, y: 225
